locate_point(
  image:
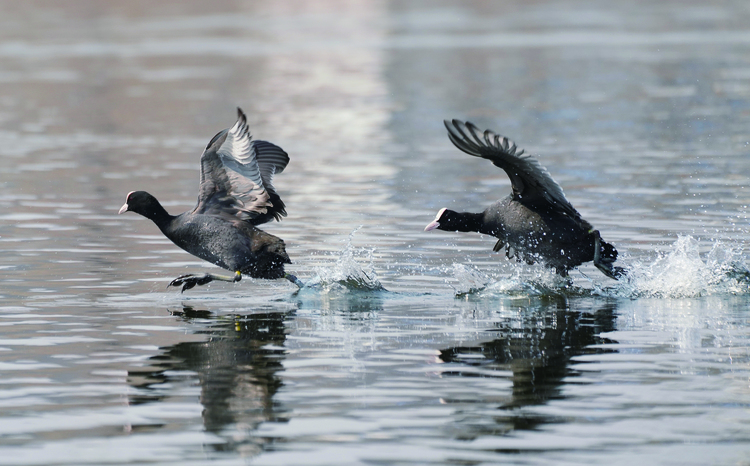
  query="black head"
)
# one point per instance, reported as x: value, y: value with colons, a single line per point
x: 449, y: 220
x: 144, y: 204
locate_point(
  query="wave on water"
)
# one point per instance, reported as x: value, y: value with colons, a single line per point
x: 347, y: 274
x: 680, y: 272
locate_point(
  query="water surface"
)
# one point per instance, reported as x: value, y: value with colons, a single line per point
x: 407, y: 347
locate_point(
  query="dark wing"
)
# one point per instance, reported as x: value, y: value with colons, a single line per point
x: 237, y: 174
x: 272, y: 160
x: 530, y: 181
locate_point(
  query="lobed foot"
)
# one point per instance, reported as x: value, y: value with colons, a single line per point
x: 605, y: 264
x: 610, y: 270
x: 191, y: 280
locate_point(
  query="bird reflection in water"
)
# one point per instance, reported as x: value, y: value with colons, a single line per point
x: 536, y: 354
x: 236, y: 367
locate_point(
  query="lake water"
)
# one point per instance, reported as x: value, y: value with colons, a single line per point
x: 406, y: 348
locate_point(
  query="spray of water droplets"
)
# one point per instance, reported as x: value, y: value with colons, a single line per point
x: 347, y: 273
x: 681, y: 272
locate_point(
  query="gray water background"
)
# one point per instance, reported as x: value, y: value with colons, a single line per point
x: 640, y: 110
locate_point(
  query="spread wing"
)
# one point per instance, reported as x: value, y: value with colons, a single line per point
x: 530, y: 181
x: 237, y: 176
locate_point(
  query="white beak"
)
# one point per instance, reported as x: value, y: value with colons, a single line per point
x: 124, y: 208
x: 435, y: 222
x: 432, y: 226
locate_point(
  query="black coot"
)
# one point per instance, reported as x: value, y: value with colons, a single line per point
x: 236, y: 194
x: 535, y: 223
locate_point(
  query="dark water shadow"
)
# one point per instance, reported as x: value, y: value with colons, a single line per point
x: 237, y: 368
x: 536, y: 350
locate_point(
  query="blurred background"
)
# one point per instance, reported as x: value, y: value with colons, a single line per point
x: 638, y: 109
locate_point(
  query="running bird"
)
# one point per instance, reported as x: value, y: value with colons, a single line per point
x: 236, y: 194
x: 536, y: 223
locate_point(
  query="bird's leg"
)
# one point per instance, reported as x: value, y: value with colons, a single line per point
x: 294, y: 280
x: 190, y: 280
x: 605, y: 265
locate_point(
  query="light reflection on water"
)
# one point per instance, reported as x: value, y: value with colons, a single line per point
x: 407, y: 347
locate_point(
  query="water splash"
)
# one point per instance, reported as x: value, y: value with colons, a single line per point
x: 470, y: 280
x: 347, y: 274
x: 680, y: 272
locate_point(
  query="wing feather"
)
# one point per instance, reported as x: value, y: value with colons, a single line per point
x: 530, y: 181
x: 237, y: 176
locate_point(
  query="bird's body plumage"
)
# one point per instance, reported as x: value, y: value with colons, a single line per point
x: 232, y: 245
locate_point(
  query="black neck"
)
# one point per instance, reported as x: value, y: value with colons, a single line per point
x: 467, y: 221
x: 157, y: 214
